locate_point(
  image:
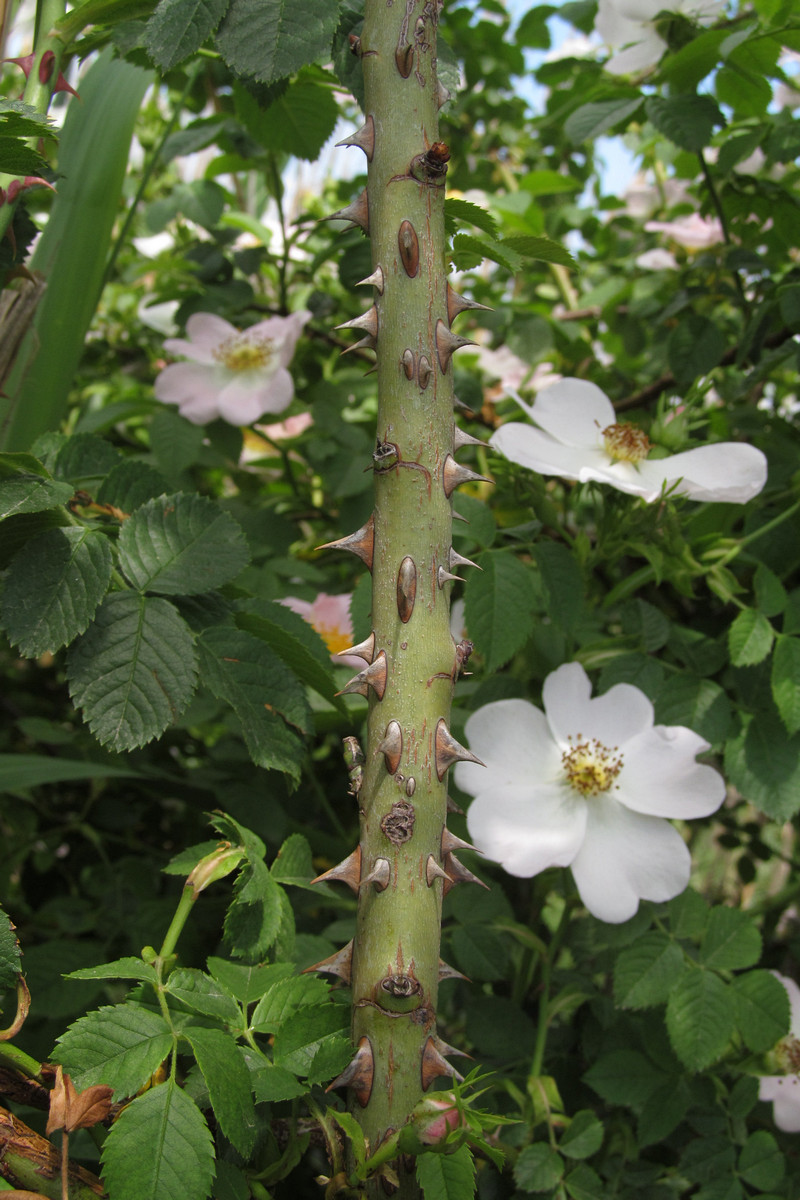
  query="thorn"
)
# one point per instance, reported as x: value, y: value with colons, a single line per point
x: 457, y: 304
x: 458, y: 873
x: 357, y: 212
x: 365, y: 649
x: 364, y: 138
x: 460, y: 438
x: 365, y: 343
x: 361, y: 543
x: 424, y: 372
x: 391, y: 746
x: 442, y: 94
x: 458, y: 560
x: 457, y: 516
x: 340, y: 963
x: 404, y: 57
x: 448, y: 972
x: 406, y: 588
x: 408, y: 245
x: 447, y: 1050
x: 434, y: 871
x: 450, y: 843
x: 461, y: 406
x: 379, y: 875
x: 453, y: 807
x: 359, y: 1074
x: 368, y: 321
x: 447, y: 577
x: 408, y: 362
x: 434, y: 1065
x: 347, y: 871
x: 449, y: 751
x: 447, y: 343
x: 373, y: 676
x: 376, y: 280
x: 453, y: 475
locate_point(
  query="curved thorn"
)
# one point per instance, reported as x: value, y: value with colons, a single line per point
x: 447, y: 343
x: 360, y: 543
x: 460, y: 438
x: 454, y: 474
x: 379, y: 875
x: 442, y: 95
x: 365, y: 343
x: 448, y: 972
x: 433, y: 871
x: 364, y: 138
x: 449, y: 751
x: 457, y: 516
x: 458, y: 560
x: 375, y: 280
x: 365, y: 649
x: 391, y: 746
x: 347, y: 871
x: 458, y: 873
x: 450, y: 843
x: 357, y: 212
x: 368, y: 321
x: 359, y: 1074
x: 424, y: 372
x: 340, y: 963
x: 457, y: 304
x: 404, y: 57
x: 434, y: 1065
x: 459, y: 404
x: 447, y: 1050
x: 453, y: 807
x: 373, y: 676
x: 444, y: 577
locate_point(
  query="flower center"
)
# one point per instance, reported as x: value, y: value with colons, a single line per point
x: 626, y: 443
x: 591, y: 767
x: 787, y: 1053
x: 244, y: 353
x: 335, y: 639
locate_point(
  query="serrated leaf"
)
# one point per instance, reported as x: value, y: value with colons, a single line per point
x: 770, y: 593
x: 539, y: 1168
x: 469, y: 251
x: 749, y: 638
x: 646, y: 971
x: 134, y: 670
x: 592, y: 120
x: 662, y: 1112
x: 356, y: 1142
x: 284, y: 999
x: 286, y: 633
x: 447, y: 1176
x: 31, y: 493
x: 785, y: 681
x: 333, y: 1055
x: 253, y: 918
x: 694, y: 347
x: 562, y: 577
x: 625, y: 1077
x: 301, y: 120
x: 764, y: 765
x: 248, y: 982
x: 699, y: 1019
x: 583, y: 1137
x: 121, y: 968
x: 302, y: 1034
x: 688, y: 120
x: 270, y: 39
x: 85, y: 460
x: 699, y: 704
x: 271, y: 1083
x: 499, y: 606
x: 130, y: 484
x: 159, y: 1147
x: 9, y: 952
x: 762, y: 1162
x: 293, y: 863
x: 179, y: 27
x: 465, y: 212
x: 17, y: 158
x: 544, y: 249
x: 180, y: 545
x: 121, y: 1045
x: 204, y: 995
x: 762, y: 1009
x: 53, y: 587
x: 480, y: 952
x: 242, y: 670
x: 228, y: 1081
x: 731, y: 940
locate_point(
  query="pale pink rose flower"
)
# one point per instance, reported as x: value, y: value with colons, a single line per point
x: 784, y: 1090
x: 234, y: 374
x: 628, y: 27
x: 658, y: 259
x: 693, y: 232
x: 330, y: 616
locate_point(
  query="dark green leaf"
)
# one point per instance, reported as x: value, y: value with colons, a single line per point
x: 699, y: 1018
x: 764, y: 764
x: 762, y: 1009
x: 20, y: 771
x: 562, y: 577
x: 203, y: 994
x: 121, y: 1045
x: 762, y: 1162
x: 134, y: 671
x: 480, y: 952
x: 284, y: 998
x: 296, y: 642
x: 662, y: 1112
x: 270, y: 39
x: 543, y: 249
x: 688, y: 120
x: 590, y: 121
x: 539, y: 1168
x: 253, y: 919
x: 749, y: 638
x: 248, y: 983
x: 228, y: 1081
x: 130, y: 484
x: 499, y: 606
x: 695, y: 346
x: 301, y: 120
x: 646, y: 971
x: 179, y: 27
x: 785, y: 681
x: 293, y: 863
x: 302, y: 1034
x: 624, y: 1077
x: 271, y: 1083
x: 466, y: 213
x: 583, y: 1183
x: 121, y: 968
x: 447, y: 1176
x: 9, y: 952
x: 731, y: 940
x: 770, y: 593
x: 583, y: 1137
x: 699, y: 704
x: 27, y: 494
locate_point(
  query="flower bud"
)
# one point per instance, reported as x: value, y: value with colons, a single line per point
x: 214, y: 866
x: 435, y: 1116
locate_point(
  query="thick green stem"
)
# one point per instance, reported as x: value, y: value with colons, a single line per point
x: 404, y: 852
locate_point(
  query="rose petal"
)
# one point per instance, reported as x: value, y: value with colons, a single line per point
x: 574, y: 412
x: 784, y: 1092
x: 513, y: 739
x: 731, y: 472
x: 613, y: 719
x: 660, y: 778
x: 527, y: 828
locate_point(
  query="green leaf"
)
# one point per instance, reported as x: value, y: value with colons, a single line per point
x: 590, y: 121
x: 203, y: 994
x: 175, y: 441
x: 764, y: 765
x: 31, y: 493
x: 301, y: 120
x: 688, y: 120
x: 53, y: 587
x: 284, y: 999
x: 699, y: 704
x: 585, y: 1184
x: 228, y: 1081
x: 267, y: 699
x: 539, y: 1168
x: 302, y: 1034
x: 248, y: 983
x: 699, y: 1019
x: 134, y: 670
x: 465, y: 212
x: 731, y: 940
x: 297, y: 643
x: 544, y: 249
x: 583, y: 1137
x: 121, y: 968
x: 270, y: 39
x: 9, y: 952
x: 293, y: 863
x: 694, y: 347
x: 762, y: 1009
x: 469, y: 251
x: 253, y: 919
x: 159, y: 1147
x: 646, y: 971
x: 770, y: 593
x: 762, y: 1162
x: 785, y: 681
x: 662, y: 1111
x: 749, y: 638
x: 447, y: 1176
x: 121, y: 1045
x: 356, y: 1142
x: 562, y: 577
x: 179, y: 27
x: 130, y: 484
x: 270, y: 1083
x: 180, y: 545
x: 480, y: 952
x: 22, y: 771
x: 624, y: 1077
x: 499, y: 606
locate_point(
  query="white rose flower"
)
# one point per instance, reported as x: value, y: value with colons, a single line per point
x: 234, y: 374
x: 784, y: 1090
x: 577, y: 436
x: 628, y: 26
x: 587, y: 784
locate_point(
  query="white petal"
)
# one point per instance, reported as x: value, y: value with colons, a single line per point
x: 537, y: 451
x: 622, y: 713
x: 251, y: 394
x: 638, y: 57
x: 513, y: 739
x: 660, y: 777
x: 784, y: 1092
x: 794, y: 1002
x: 574, y: 412
x: 626, y: 858
x: 207, y: 329
x: 528, y: 827
x: 733, y: 472
x: 199, y: 354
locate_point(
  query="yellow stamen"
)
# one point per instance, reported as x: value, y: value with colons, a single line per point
x: 626, y: 443
x: 787, y: 1052
x: 335, y: 639
x: 591, y: 767
x: 244, y: 353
